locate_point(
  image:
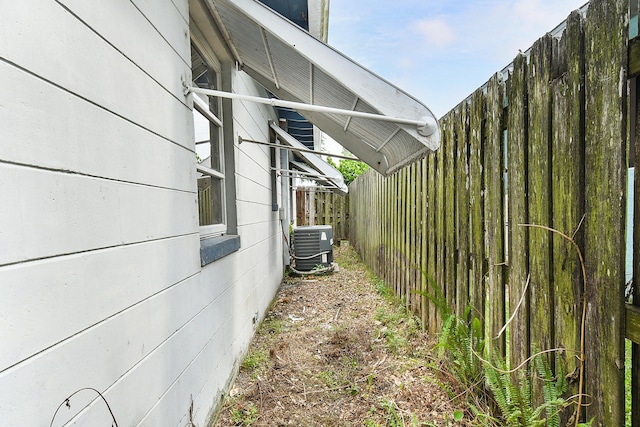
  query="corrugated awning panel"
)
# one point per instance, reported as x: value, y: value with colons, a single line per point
x: 295, y: 66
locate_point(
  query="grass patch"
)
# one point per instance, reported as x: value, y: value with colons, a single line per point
x: 255, y: 361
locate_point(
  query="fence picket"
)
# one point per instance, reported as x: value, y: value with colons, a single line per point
x: 605, y: 183
x: 494, y: 205
x: 440, y: 215
x: 462, y: 209
x: 424, y: 217
x: 517, y: 211
x: 431, y: 275
x: 476, y: 201
x: 448, y: 150
x: 567, y: 174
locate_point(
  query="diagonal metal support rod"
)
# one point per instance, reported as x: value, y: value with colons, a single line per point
x: 290, y: 148
x: 425, y: 126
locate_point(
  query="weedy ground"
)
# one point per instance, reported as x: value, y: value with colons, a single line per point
x: 338, y: 350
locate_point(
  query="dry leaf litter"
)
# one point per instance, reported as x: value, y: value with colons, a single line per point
x: 332, y: 351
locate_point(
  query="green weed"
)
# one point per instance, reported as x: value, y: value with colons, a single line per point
x: 244, y: 416
x: 254, y: 361
x: 393, y: 417
x: 329, y: 378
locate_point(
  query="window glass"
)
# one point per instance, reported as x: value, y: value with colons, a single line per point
x: 209, y: 151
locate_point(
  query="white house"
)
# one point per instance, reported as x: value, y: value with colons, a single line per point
x: 120, y: 297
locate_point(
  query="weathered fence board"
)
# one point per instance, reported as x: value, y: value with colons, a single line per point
x: 539, y: 192
x: 396, y: 232
x: 320, y: 207
x: 387, y: 232
x: 476, y: 201
x: 494, y: 208
x: 606, y: 37
x: 432, y: 260
x: 449, y: 210
x: 518, y: 208
x: 439, y: 208
x: 404, y: 230
x: 424, y: 256
x: 567, y: 174
x: 414, y: 248
x: 462, y: 209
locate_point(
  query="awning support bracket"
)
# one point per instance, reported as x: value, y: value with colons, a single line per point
x: 268, y: 53
x: 353, y: 108
x: 387, y: 140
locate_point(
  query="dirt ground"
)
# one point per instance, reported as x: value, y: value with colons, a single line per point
x: 335, y: 351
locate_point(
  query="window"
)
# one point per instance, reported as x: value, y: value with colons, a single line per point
x: 213, y: 132
x: 208, y: 131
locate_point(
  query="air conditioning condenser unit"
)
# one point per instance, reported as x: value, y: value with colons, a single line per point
x: 313, y: 247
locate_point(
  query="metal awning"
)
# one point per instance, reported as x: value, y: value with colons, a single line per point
x: 326, y: 173
x: 297, y: 67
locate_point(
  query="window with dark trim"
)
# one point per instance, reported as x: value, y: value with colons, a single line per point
x: 215, y: 167
x: 208, y: 131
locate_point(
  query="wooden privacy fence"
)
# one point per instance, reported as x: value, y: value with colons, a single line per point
x: 323, y: 208
x: 544, y: 147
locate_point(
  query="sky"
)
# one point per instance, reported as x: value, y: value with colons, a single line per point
x: 440, y: 51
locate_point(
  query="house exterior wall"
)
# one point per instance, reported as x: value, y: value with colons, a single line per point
x: 100, y: 277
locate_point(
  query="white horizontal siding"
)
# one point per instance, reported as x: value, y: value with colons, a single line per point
x: 86, y: 288
x: 55, y: 213
x: 251, y: 119
x: 82, y: 62
x: 249, y: 279
x: 220, y: 329
x: 155, y: 375
x: 249, y: 190
x: 112, y: 353
x: 260, y: 232
x: 253, y: 158
x: 59, y: 130
x: 250, y: 212
x: 214, y: 357
x: 181, y: 5
x: 148, y: 48
x: 254, y: 165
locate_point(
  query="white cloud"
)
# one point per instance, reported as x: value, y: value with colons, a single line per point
x: 436, y: 32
